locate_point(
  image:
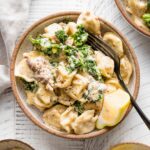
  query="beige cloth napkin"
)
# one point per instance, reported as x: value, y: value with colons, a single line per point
x: 13, y: 14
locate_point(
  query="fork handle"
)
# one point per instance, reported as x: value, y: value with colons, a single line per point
x: 138, y: 109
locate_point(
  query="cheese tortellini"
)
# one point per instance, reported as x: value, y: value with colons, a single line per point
x: 66, y: 79
x: 90, y: 22
x: 85, y: 123
x: 71, y: 28
x: 115, y: 42
x: 105, y: 64
x: 139, y: 11
x: 112, y: 85
x: 64, y: 99
x: 67, y: 119
x: 42, y: 98
x: 125, y: 69
x: 78, y: 87
x: 52, y: 116
x: 50, y: 31
x: 23, y: 71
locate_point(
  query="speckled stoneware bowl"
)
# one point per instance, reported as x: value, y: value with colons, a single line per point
x: 130, y: 146
x: 10, y: 144
x: 121, y: 7
x: 24, y: 45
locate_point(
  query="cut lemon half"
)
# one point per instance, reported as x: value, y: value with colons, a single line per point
x: 114, y: 108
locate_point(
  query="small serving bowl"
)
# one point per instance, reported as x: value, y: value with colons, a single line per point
x: 130, y: 146
x: 121, y: 7
x: 9, y: 144
x: 24, y: 45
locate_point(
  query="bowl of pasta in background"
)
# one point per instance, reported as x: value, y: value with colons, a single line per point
x: 136, y: 13
x: 24, y: 45
x: 130, y: 146
x: 11, y: 144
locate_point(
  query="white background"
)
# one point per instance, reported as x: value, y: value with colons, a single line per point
x: 13, y: 122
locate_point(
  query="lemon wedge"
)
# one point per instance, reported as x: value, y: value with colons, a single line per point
x: 114, y: 108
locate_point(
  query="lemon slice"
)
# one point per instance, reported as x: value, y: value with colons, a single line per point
x: 114, y: 108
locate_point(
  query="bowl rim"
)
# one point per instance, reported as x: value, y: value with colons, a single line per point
x: 15, y: 140
x: 30, y: 116
x: 128, y: 143
x: 128, y: 19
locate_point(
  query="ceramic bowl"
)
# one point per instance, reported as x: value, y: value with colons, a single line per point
x: 24, y: 45
x: 121, y: 6
x: 9, y: 144
x: 130, y: 146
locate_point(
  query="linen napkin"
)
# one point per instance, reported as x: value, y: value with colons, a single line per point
x: 13, y: 14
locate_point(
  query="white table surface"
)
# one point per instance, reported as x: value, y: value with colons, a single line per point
x: 13, y: 122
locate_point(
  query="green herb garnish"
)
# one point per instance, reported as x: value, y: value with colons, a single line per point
x: 80, y: 37
x: 69, y: 51
x: 46, y: 46
x: 78, y: 107
x: 91, y: 67
x: 30, y: 86
x: 61, y: 35
x: 146, y: 18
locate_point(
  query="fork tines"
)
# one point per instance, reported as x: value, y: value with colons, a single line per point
x: 98, y: 44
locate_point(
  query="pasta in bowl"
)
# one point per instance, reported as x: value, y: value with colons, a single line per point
x: 137, y: 13
x: 63, y: 84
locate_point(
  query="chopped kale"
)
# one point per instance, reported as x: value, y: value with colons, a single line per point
x: 29, y: 86
x: 146, y: 18
x: 46, y: 46
x: 78, y: 107
x: 75, y: 63
x: 148, y: 4
x: 78, y: 59
x: 61, y: 35
x: 41, y: 43
x: 85, y: 50
x: 69, y: 51
x: 80, y: 37
x: 91, y: 67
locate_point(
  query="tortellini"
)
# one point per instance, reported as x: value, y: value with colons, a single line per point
x: 115, y: 42
x: 78, y: 87
x: 33, y: 100
x: 22, y: 70
x: 125, y: 69
x: 42, y: 98
x: 105, y: 64
x: 112, y: 85
x: 65, y: 99
x: 52, y: 116
x: 97, y: 106
x: 137, y: 7
x: 90, y: 22
x: 50, y: 31
x: 71, y: 28
x: 64, y: 78
x: 68, y: 118
x: 85, y: 123
x: 46, y: 96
